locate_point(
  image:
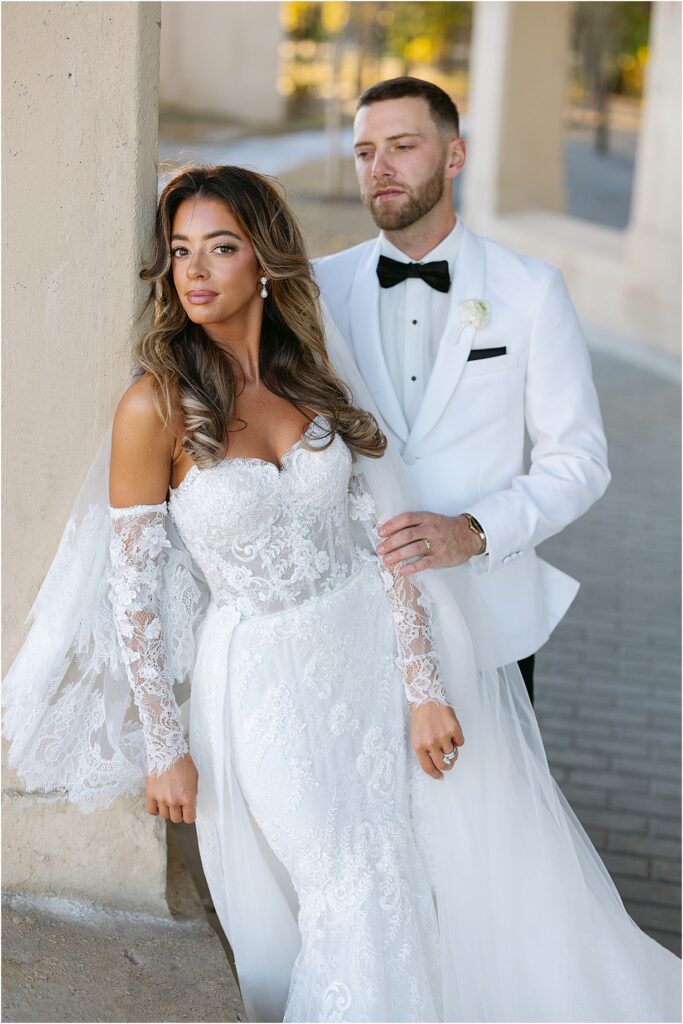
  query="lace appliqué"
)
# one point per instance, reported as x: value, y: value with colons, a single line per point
x: 138, y: 542
x: 321, y: 750
x: 267, y: 538
x: 412, y: 619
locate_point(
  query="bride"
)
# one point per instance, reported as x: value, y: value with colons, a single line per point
x: 366, y: 863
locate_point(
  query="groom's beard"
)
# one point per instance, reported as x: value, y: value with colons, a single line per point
x: 417, y: 203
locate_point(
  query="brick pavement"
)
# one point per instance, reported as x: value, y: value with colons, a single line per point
x: 608, y: 681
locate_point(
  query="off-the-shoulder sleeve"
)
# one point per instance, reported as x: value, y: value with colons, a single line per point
x: 138, y: 542
x: 412, y: 619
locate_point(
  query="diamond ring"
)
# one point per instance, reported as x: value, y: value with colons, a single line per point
x: 450, y: 756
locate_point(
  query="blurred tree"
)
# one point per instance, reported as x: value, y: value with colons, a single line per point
x: 416, y: 32
x: 434, y: 34
x: 610, y: 40
x: 422, y: 33
x: 334, y: 17
x: 302, y: 20
x: 367, y: 30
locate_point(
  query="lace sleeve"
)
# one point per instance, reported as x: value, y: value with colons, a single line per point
x: 417, y: 653
x: 137, y: 542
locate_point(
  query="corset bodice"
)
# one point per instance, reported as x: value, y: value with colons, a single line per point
x: 268, y: 537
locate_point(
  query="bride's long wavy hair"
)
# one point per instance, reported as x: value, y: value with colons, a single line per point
x: 193, y: 374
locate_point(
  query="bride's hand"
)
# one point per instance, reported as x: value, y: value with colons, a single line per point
x: 174, y: 793
x: 436, y: 731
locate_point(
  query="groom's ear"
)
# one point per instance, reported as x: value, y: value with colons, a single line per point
x: 457, y: 155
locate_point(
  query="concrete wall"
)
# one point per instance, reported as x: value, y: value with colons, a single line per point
x: 79, y: 141
x: 654, y: 235
x: 518, y: 86
x: 221, y: 60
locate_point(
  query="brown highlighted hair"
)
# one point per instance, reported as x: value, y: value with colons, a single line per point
x: 193, y: 374
x: 442, y: 108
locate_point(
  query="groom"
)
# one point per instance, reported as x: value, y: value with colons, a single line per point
x: 464, y: 344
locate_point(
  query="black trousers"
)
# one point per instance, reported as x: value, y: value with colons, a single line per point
x: 526, y: 667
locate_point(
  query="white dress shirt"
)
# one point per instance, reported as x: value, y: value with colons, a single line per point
x: 412, y: 318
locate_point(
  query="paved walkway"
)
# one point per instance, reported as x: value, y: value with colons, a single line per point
x: 56, y: 954
x: 608, y: 681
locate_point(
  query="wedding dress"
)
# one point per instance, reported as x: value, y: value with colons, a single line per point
x: 351, y: 886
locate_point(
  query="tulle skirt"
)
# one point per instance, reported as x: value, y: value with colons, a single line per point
x: 353, y: 887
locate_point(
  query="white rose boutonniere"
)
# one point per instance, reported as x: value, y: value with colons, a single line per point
x: 475, y: 313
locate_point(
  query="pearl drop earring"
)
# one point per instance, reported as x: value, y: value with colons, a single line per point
x: 264, y: 290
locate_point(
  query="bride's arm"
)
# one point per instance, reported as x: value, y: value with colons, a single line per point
x: 435, y: 727
x: 139, y: 479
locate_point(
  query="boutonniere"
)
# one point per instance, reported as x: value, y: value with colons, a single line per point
x: 475, y: 313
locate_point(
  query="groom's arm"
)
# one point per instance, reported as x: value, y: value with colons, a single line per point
x: 568, y: 470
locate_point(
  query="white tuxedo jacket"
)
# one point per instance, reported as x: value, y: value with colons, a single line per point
x: 466, y: 449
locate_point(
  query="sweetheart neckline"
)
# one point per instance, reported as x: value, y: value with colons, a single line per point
x: 278, y: 467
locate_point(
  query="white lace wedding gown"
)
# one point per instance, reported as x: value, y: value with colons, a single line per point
x: 310, y: 700
x: 347, y: 894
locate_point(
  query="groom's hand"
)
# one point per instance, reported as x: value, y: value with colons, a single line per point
x: 451, y: 542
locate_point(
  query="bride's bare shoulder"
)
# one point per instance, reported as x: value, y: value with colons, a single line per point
x: 142, y: 447
x: 138, y: 399
x: 139, y: 414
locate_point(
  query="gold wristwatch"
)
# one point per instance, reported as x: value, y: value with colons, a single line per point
x: 476, y: 527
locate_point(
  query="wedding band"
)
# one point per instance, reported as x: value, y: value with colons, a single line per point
x: 428, y: 543
x: 450, y: 756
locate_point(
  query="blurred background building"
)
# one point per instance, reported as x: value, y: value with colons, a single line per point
x: 572, y: 114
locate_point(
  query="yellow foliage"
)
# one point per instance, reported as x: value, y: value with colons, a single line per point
x: 291, y: 13
x: 419, y: 50
x: 334, y: 16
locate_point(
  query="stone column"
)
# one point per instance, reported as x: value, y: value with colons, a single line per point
x: 517, y: 94
x: 80, y: 85
x: 654, y: 233
x: 221, y: 60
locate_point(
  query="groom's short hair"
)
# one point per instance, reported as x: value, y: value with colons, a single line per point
x: 442, y: 108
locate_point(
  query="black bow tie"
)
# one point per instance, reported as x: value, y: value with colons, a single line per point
x: 391, y: 272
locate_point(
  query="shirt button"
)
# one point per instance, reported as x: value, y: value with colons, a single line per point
x: 413, y: 378
x: 413, y: 321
